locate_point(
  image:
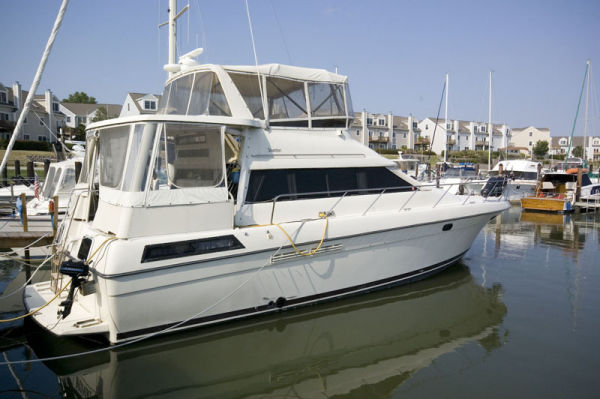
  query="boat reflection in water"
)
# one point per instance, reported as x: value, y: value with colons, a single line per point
x: 517, y: 231
x: 363, y: 344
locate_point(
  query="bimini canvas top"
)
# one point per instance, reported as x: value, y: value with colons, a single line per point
x: 290, y: 72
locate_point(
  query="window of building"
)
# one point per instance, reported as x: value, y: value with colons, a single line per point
x: 475, y: 129
x: 291, y: 184
x: 26, y: 136
x: 369, y: 121
x: 426, y: 127
x: 4, y: 117
x: 530, y: 143
x: 403, y: 135
x: 41, y: 121
x: 128, y: 108
x: 482, y: 129
x: 150, y: 105
x: 55, y: 107
x: 3, y: 97
x: 381, y: 122
x: 42, y: 138
x: 414, y: 125
x: 68, y: 119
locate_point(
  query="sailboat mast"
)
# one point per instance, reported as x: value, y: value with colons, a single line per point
x: 490, y: 126
x: 446, y: 123
x: 585, y: 121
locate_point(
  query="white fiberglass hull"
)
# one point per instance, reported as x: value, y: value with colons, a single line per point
x: 181, y: 293
x: 517, y: 189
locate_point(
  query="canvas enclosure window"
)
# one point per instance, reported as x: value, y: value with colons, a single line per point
x: 112, y: 152
x: 195, y: 94
x: 189, y: 156
x: 247, y: 85
x: 287, y: 99
x: 140, y: 154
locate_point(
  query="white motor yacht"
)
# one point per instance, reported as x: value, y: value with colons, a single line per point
x: 520, y: 179
x: 244, y: 195
x: 60, y: 182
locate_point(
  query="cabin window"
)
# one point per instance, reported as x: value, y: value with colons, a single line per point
x: 189, y: 156
x: 286, y: 99
x: 140, y: 154
x: 250, y: 91
x: 266, y: 185
x: 111, y: 157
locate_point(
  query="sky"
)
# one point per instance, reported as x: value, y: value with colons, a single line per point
x: 395, y: 53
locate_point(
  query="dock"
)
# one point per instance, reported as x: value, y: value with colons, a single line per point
x: 584, y: 206
x: 23, y: 237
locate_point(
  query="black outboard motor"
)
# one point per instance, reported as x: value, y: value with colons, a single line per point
x: 78, y: 270
x: 494, y: 186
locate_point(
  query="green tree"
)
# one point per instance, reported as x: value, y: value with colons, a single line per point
x: 80, y: 97
x: 578, y: 151
x: 101, y: 114
x: 79, y: 133
x: 541, y: 149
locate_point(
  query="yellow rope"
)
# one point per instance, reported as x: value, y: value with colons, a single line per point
x: 40, y: 308
x: 298, y: 251
x: 98, y: 249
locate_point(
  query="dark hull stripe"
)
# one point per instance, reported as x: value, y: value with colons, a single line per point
x: 234, y: 255
x: 268, y: 308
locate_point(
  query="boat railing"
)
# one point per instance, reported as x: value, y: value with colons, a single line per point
x: 341, y: 194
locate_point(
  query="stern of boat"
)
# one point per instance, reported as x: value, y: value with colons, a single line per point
x: 84, y: 318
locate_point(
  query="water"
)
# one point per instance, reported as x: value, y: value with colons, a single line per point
x: 518, y: 317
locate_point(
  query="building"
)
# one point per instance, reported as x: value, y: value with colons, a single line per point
x: 140, y: 103
x: 385, y: 131
x: 81, y: 114
x: 464, y: 135
x: 44, y: 121
x: 528, y: 137
x: 560, y: 146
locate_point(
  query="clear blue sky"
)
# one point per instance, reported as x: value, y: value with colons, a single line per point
x: 395, y: 53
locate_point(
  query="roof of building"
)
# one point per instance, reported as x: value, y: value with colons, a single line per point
x: 578, y: 141
x: 136, y: 96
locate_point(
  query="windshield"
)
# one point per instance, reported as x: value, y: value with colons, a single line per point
x: 460, y: 172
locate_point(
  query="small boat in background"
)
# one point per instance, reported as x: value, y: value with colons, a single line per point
x: 60, y: 182
x: 520, y: 179
x: 464, y: 179
x: 556, y: 192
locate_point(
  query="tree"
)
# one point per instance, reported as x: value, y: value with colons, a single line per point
x: 540, y: 149
x: 80, y: 97
x: 102, y: 114
x: 578, y: 151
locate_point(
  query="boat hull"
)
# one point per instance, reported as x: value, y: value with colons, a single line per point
x: 184, y: 295
x: 545, y: 204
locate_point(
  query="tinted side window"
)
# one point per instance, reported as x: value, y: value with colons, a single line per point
x: 292, y: 184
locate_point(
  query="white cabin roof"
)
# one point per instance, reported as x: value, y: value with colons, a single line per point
x: 276, y: 70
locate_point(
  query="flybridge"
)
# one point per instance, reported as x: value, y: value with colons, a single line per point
x: 280, y: 95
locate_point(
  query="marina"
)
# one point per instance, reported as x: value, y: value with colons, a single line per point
x: 237, y: 230
x: 516, y: 317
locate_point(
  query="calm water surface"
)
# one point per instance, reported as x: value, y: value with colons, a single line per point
x: 518, y: 317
